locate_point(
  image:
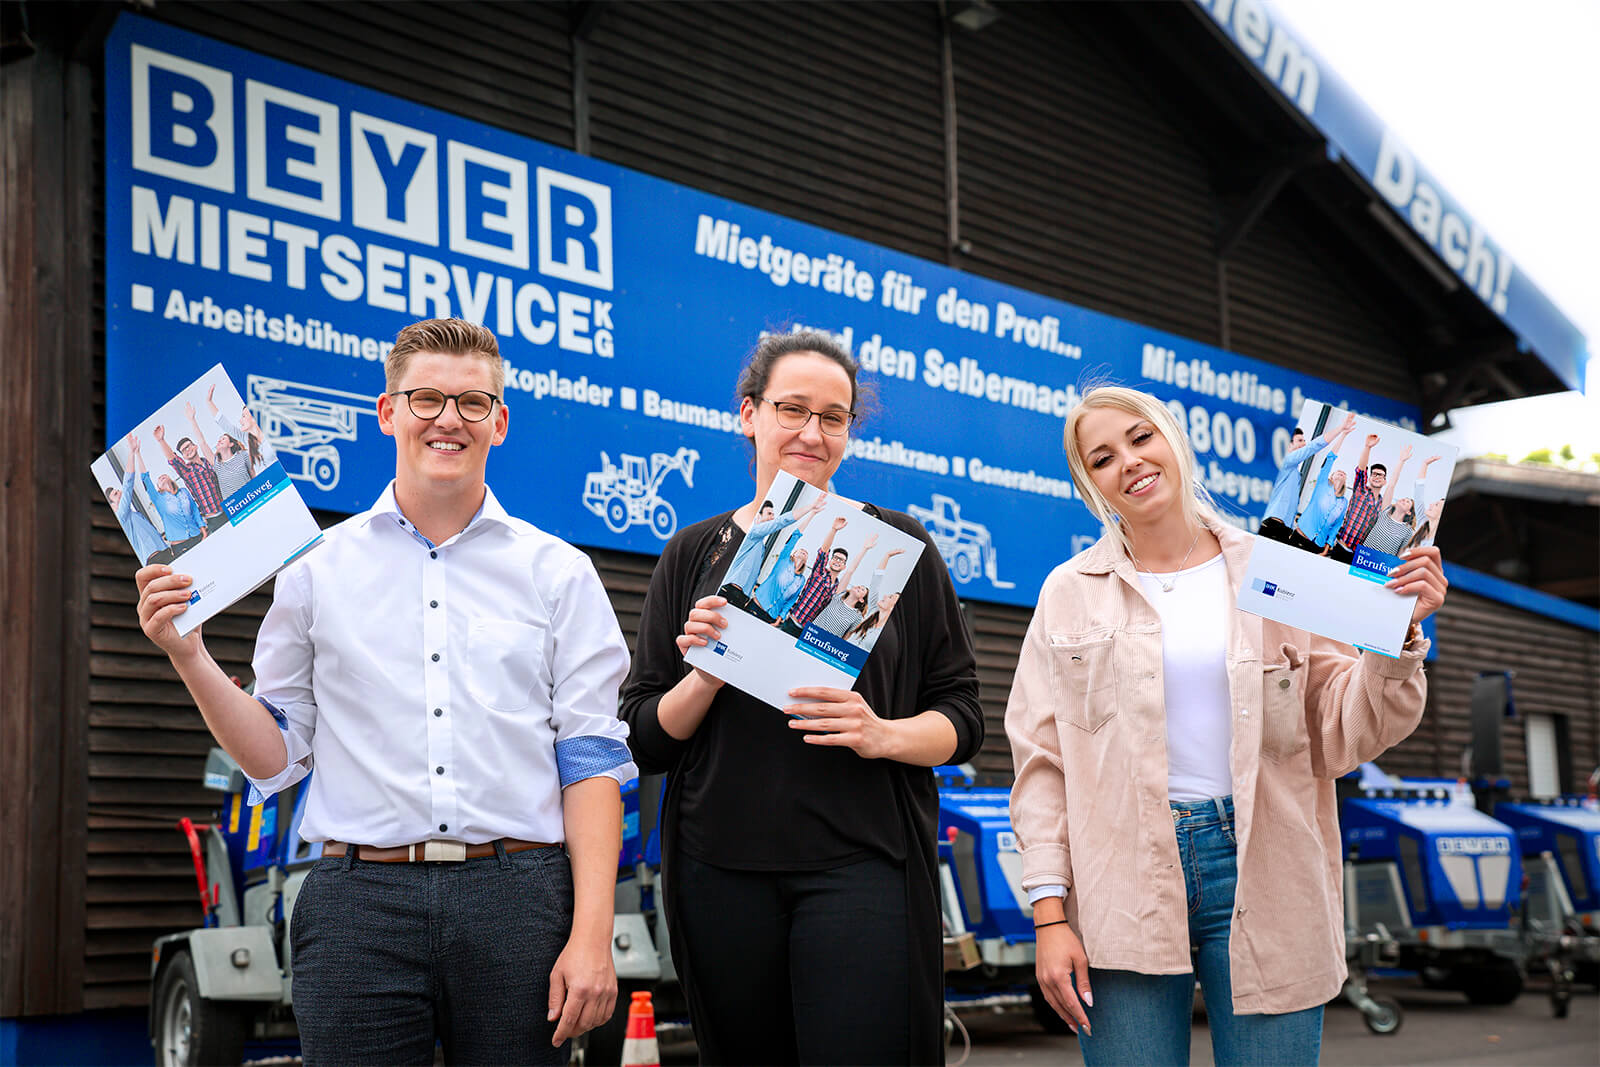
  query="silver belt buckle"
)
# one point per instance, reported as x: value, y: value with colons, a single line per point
x: 444, y: 851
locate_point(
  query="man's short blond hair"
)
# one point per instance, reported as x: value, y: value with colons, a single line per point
x: 452, y: 337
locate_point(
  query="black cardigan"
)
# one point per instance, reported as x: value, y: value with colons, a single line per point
x: 929, y: 665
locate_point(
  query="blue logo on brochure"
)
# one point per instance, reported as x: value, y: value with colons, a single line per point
x: 1264, y: 587
x: 721, y: 649
x: 194, y: 597
x: 1372, y: 565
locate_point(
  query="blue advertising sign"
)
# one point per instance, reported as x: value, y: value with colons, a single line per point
x: 289, y: 224
x: 1266, y: 40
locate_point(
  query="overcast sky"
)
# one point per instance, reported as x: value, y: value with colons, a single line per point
x: 1501, y: 101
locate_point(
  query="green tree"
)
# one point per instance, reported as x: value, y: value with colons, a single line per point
x: 1541, y: 456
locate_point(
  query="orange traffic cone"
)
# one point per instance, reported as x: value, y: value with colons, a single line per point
x: 639, y: 1048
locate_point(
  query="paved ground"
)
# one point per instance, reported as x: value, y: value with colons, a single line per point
x: 1439, y: 1028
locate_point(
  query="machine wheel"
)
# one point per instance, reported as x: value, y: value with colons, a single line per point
x: 1045, y: 1015
x: 1491, y: 985
x: 322, y: 463
x: 603, y: 1044
x: 663, y: 520
x: 616, y: 515
x: 190, y: 1031
x: 962, y: 566
x: 1385, y: 1016
x: 1437, y: 978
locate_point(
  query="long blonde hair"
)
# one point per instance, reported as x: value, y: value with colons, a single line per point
x: 1200, y: 508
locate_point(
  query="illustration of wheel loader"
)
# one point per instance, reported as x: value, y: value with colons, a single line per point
x: 629, y: 495
x: 965, y: 545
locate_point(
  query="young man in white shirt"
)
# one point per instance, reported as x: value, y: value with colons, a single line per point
x: 451, y: 673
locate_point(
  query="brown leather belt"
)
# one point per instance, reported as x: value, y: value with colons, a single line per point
x: 430, y: 851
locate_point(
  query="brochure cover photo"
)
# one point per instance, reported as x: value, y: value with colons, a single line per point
x: 1352, y: 494
x: 196, y: 486
x: 809, y: 592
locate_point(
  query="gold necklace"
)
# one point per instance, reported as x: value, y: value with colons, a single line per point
x: 1166, y: 586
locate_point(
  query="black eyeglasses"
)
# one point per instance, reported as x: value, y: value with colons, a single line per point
x: 474, y: 405
x: 792, y: 416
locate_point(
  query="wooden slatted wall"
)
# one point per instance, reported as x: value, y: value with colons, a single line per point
x: 1555, y: 667
x: 1075, y: 182
x: 1288, y: 306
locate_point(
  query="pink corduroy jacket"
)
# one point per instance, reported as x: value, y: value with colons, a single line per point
x: 1088, y: 727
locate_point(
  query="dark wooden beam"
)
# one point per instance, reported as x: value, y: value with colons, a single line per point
x: 1269, y: 181
x: 47, y: 187
x: 585, y: 15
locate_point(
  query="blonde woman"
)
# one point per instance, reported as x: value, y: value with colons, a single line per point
x: 1175, y: 760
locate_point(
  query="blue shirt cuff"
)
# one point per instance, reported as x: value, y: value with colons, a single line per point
x: 589, y: 756
x: 254, y: 796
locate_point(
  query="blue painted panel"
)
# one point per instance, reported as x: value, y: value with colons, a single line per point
x: 288, y: 224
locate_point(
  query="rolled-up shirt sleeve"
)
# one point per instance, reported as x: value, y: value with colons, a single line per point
x: 282, y: 666
x: 588, y: 664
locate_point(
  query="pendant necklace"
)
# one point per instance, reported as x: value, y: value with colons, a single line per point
x: 1166, y: 585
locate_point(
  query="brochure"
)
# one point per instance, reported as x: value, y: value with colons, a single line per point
x: 198, y: 486
x: 1352, y: 493
x: 809, y: 592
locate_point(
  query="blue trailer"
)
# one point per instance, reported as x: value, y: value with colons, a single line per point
x: 1560, y: 843
x: 1439, y: 879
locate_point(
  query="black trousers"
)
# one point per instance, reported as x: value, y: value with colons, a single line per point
x: 1341, y: 553
x: 1302, y: 542
x: 795, y: 967
x: 1275, y: 530
x: 215, y: 522
x: 389, y: 957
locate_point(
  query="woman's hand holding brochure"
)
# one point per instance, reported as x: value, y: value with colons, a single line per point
x: 1421, y: 576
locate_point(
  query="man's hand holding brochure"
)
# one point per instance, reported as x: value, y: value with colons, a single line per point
x: 1348, y: 531
x: 198, y: 488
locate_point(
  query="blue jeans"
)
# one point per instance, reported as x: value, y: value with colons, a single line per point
x: 1145, y: 1018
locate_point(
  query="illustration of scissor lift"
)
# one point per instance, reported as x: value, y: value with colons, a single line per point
x: 303, y: 420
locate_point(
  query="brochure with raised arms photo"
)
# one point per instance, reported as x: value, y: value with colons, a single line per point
x: 198, y: 486
x: 809, y: 591
x: 1352, y: 494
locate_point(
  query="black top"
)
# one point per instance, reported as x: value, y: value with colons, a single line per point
x: 749, y: 794
x: 752, y: 795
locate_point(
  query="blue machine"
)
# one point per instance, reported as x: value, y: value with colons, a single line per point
x: 979, y: 850
x: 1458, y: 868
x: 1560, y: 843
x: 988, y: 921
x: 1568, y: 829
x: 1439, y: 879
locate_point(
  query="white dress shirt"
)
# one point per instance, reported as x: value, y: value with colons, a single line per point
x: 441, y: 692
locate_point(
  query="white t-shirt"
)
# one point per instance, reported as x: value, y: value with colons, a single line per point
x: 1194, y: 662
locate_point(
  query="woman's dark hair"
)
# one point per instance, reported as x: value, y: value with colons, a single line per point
x: 1424, y: 532
x: 253, y: 445
x: 863, y: 626
x: 773, y: 347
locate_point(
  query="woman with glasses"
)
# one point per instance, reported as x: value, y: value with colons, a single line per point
x: 1175, y: 762
x: 798, y: 844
